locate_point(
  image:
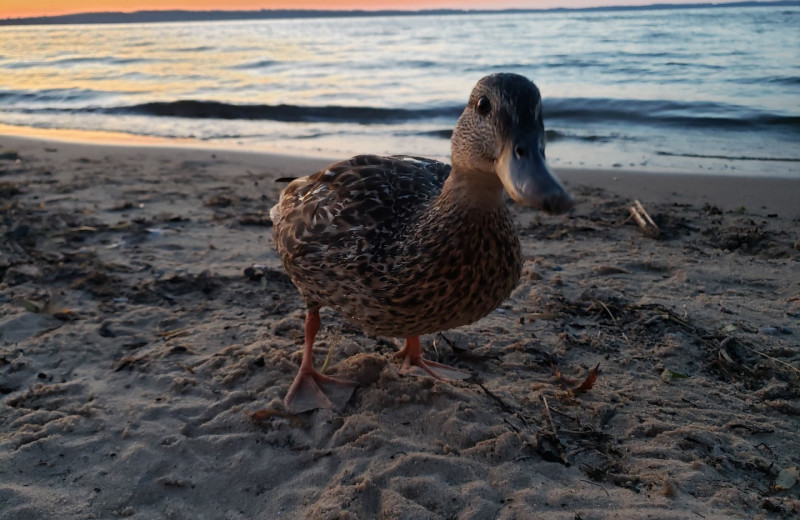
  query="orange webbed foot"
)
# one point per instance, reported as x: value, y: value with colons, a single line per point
x: 312, y: 390
x: 412, y: 357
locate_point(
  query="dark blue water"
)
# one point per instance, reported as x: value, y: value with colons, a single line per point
x: 708, y: 90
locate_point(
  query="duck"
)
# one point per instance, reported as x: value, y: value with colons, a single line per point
x: 402, y: 246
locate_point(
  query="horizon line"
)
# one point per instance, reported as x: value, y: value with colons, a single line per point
x: 159, y: 15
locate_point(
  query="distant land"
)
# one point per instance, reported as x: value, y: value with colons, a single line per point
x: 264, y: 14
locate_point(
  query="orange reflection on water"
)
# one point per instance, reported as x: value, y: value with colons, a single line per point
x: 90, y: 58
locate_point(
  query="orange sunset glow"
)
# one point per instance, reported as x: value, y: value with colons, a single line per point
x: 19, y: 9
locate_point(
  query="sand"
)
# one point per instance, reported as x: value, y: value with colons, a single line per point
x: 148, y: 334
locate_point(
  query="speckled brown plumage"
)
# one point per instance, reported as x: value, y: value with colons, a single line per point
x: 404, y: 246
x: 384, y: 246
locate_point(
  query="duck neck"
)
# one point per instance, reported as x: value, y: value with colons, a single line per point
x: 473, y: 189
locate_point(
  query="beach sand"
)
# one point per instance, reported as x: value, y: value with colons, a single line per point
x: 148, y: 335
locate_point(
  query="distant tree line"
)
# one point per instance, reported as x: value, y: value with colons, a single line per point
x: 264, y: 14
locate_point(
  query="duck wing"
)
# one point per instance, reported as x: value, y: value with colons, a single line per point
x: 360, y: 206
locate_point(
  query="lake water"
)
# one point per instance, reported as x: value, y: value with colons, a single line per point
x: 704, y: 90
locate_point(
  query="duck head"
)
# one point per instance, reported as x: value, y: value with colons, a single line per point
x: 501, y: 133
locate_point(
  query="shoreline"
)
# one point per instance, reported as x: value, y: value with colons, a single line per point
x: 769, y: 195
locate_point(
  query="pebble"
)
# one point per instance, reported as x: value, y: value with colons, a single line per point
x: 154, y: 233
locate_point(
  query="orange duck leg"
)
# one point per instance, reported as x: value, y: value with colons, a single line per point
x: 310, y: 389
x: 412, y: 357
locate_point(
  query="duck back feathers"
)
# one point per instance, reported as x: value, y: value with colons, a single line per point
x: 381, y: 240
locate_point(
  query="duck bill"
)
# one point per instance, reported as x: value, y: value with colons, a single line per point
x: 528, y: 178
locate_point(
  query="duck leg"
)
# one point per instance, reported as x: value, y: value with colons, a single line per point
x: 310, y: 389
x: 412, y: 357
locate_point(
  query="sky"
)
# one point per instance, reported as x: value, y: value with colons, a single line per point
x: 25, y: 8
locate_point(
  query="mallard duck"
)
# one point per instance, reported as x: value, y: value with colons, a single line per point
x: 403, y: 246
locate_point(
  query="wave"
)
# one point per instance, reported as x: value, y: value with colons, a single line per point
x: 730, y: 157
x: 45, y: 98
x: 105, y: 61
x: 657, y: 112
x: 785, y: 80
x: 559, y: 111
x: 259, y: 64
x: 283, y: 113
x: 666, y: 112
x: 558, y: 135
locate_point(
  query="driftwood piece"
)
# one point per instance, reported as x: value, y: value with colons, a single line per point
x: 644, y: 221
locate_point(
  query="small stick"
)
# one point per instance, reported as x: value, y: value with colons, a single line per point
x: 608, y: 311
x: 595, y: 484
x: 787, y: 365
x: 329, y: 356
x: 644, y: 221
x: 436, y: 349
x: 327, y: 361
x: 549, y: 417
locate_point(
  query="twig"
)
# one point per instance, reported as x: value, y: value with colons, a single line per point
x: 436, y: 350
x: 644, y: 221
x: 568, y: 416
x: 666, y: 314
x: 791, y: 367
x: 448, y: 341
x: 329, y: 356
x: 516, y: 430
x: 608, y: 311
x: 549, y: 417
x: 327, y: 361
x: 553, y: 438
x: 505, y: 406
x: 595, y: 484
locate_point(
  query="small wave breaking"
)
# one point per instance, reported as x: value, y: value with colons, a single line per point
x: 569, y: 111
x: 283, y: 113
x: 585, y: 120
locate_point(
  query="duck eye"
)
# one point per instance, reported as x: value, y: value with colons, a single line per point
x: 484, y: 106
